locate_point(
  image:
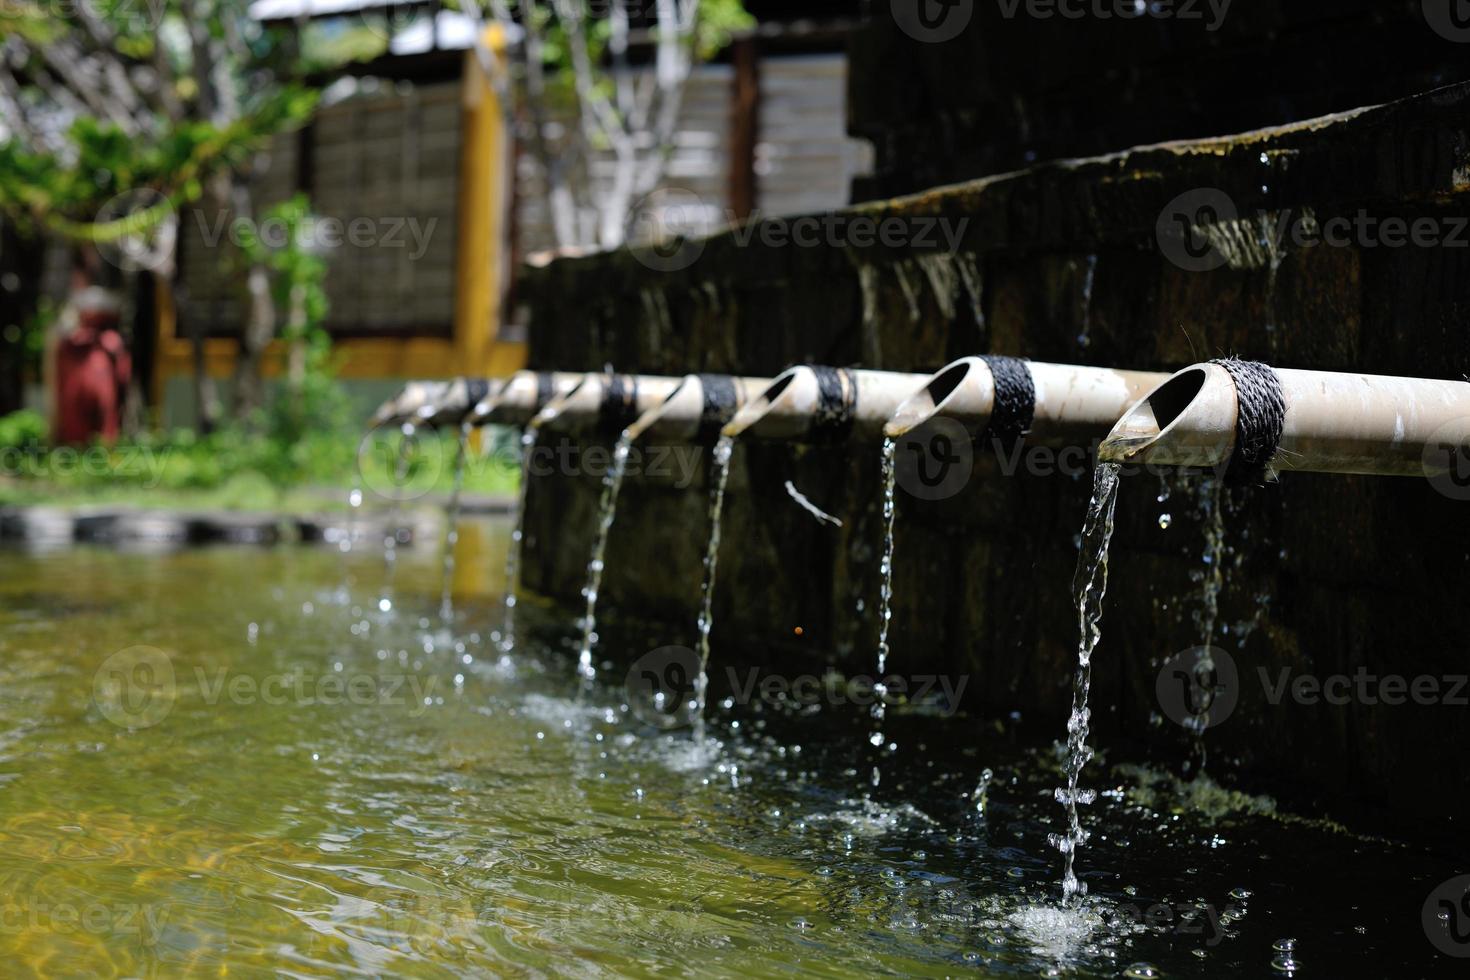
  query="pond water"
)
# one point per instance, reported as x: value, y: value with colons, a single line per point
x: 231, y: 761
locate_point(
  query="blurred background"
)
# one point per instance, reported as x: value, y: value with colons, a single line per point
x: 232, y: 229
x: 229, y: 229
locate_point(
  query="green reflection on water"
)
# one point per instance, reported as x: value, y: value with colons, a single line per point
x: 223, y: 762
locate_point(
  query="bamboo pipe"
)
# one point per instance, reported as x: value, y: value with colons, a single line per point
x: 1072, y: 402
x: 1334, y: 423
x: 795, y: 408
x: 694, y: 407
x: 613, y: 400
x: 520, y: 398
x: 406, y: 404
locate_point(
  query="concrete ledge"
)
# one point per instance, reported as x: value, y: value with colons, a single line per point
x: 126, y: 527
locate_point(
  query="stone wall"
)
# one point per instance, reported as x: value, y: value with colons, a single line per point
x: 1063, y: 262
x: 993, y: 85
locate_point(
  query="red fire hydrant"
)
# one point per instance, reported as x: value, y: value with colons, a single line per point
x: 93, y: 369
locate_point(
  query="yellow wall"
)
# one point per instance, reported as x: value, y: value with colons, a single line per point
x: 481, y: 269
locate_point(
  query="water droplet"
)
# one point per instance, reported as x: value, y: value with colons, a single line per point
x: 1142, y: 971
x: 385, y: 604
x: 1165, y: 520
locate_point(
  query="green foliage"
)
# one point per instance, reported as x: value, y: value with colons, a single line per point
x: 228, y: 468
x: 21, y: 430
x: 719, y: 20
x: 64, y: 191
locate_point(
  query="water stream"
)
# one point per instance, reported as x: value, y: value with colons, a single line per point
x: 1214, y: 579
x: 719, y: 478
x: 401, y: 467
x: 507, y: 638
x: 885, y: 602
x: 451, y: 526
x: 612, y: 484
x: 1089, y: 586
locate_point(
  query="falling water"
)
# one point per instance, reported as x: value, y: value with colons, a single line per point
x: 406, y: 446
x: 1204, y: 667
x: 885, y: 597
x: 720, y: 476
x: 354, y: 504
x: 451, y: 526
x: 612, y: 483
x: 1089, y: 585
x: 513, y: 553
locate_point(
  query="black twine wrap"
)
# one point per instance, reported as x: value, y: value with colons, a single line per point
x: 1260, y: 414
x: 545, y: 387
x: 1015, y: 400
x: 719, y: 404
x: 836, y: 404
x: 619, y: 403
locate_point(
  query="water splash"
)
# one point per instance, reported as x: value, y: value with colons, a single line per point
x: 981, y: 794
x: 612, y: 484
x: 885, y: 598
x: 719, y: 478
x: 513, y: 553
x: 451, y: 526
x: 1089, y: 586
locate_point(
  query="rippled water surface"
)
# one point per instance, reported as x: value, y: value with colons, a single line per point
x: 230, y: 761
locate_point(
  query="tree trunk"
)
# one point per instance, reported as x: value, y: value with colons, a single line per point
x: 20, y: 265
x: 259, y: 326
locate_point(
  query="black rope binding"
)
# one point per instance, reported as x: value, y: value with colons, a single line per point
x: 1015, y: 400
x: 719, y: 404
x: 545, y: 386
x: 836, y: 404
x: 1259, y: 416
x: 619, y: 403
x: 478, y: 389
